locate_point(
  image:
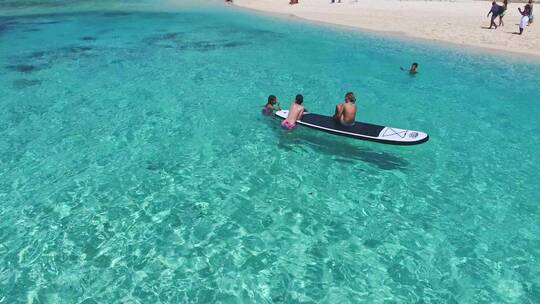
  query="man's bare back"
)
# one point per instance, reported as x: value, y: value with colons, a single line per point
x: 295, y: 113
x: 346, y: 112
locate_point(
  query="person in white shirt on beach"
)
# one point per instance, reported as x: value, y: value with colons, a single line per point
x: 524, y: 18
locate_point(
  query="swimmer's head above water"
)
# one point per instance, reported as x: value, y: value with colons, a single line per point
x: 272, y: 99
x: 414, y: 66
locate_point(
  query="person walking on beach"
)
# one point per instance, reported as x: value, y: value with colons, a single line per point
x: 531, y: 18
x: 334, y: 1
x: 524, y: 18
x: 346, y: 112
x: 503, y: 12
x: 295, y: 113
x: 495, y: 11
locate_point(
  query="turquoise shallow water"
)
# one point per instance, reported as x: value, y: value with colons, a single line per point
x: 135, y: 166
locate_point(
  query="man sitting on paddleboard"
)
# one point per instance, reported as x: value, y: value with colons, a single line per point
x: 295, y: 113
x: 346, y: 112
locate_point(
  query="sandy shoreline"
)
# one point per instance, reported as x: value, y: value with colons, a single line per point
x: 459, y: 23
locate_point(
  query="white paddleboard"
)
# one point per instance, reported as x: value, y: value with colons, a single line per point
x: 360, y: 130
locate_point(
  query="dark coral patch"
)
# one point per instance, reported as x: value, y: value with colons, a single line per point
x: 163, y: 39
x: 20, y: 84
x: 79, y: 49
x: 372, y: 243
x: 71, y: 52
x: 170, y: 36
x: 3, y: 27
x: 44, y: 59
x: 88, y: 38
x: 37, y: 54
x: 115, y: 14
x: 234, y: 44
x: 205, y: 46
x: 7, y: 26
x: 22, y: 68
x: 46, y: 22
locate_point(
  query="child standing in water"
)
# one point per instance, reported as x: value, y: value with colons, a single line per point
x: 295, y: 113
x: 270, y: 106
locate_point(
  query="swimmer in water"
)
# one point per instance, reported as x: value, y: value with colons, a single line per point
x: 413, y: 69
x: 295, y: 113
x: 271, y: 106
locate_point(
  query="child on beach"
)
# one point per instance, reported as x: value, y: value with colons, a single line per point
x: 295, y: 113
x: 270, y: 106
x: 524, y: 18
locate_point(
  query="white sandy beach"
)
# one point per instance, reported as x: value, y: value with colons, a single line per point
x: 462, y: 23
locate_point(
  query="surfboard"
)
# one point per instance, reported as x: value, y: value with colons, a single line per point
x: 360, y: 130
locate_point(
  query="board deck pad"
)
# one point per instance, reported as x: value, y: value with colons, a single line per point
x: 360, y: 130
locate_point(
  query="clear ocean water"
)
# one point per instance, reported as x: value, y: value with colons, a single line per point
x: 135, y: 166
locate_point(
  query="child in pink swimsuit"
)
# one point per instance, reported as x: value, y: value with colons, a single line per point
x: 295, y: 113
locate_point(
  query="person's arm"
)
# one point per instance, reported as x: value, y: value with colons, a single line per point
x: 338, y: 112
x: 278, y: 107
x: 519, y: 9
x: 300, y: 114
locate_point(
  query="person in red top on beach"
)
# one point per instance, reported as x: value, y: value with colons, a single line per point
x: 293, y: 2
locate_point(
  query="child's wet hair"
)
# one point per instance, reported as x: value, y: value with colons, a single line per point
x: 415, y: 64
x: 299, y: 99
x: 271, y: 98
